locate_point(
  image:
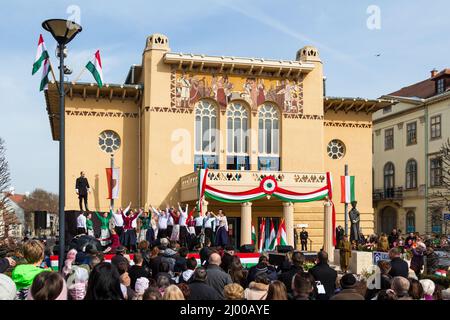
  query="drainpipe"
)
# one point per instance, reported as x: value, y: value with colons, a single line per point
x: 426, y: 169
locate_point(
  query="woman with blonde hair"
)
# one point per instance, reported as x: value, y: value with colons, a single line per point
x: 172, y: 292
x: 277, y: 291
x: 233, y: 291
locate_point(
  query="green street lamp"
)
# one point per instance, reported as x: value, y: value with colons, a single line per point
x: 63, y: 31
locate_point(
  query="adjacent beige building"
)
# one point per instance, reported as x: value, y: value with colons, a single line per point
x: 407, y: 167
x: 243, y: 118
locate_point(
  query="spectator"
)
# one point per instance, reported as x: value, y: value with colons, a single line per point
x: 77, y: 282
x: 104, y: 283
x: 185, y: 290
x: 432, y: 263
x: 428, y: 288
x: 417, y: 258
x: 302, y: 286
x: 437, y: 295
x: 383, y: 243
x: 325, y: 276
x: 180, y: 260
x: 198, y: 287
x: 263, y: 266
x: 138, y: 270
x: 120, y: 256
x: 445, y: 294
x: 401, y: 285
x: 6, y: 263
x: 257, y: 290
x: 205, y: 252
x: 277, y: 291
x: 233, y: 291
x: 7, y: 288
x: 172, y: 292
x: 191, y: 264
x: 298, y: 259
x: 163, y: 281
x: 348, y: 284
x: 152, y: 293
x: 140, y: 287
x: 393, y: 237
x: 217, y: 278
x: 169, y: 257
x: 48, y: 286
x: 24, y: 274
x: 237, y: 272
x: 387, y: 295
x: 415, y: 289
x: 155, y: 261
x: 227, y: 258
x: 399, y: 267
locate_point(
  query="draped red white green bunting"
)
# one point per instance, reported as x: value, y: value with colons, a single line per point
x: 268, y: 186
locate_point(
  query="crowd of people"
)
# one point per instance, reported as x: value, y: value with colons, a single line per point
x: 163, y: 270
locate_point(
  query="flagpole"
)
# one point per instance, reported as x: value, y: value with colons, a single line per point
x: 53, y: 73
x: 79, y: 75
x: 111, y: 182
x: 346, y: 204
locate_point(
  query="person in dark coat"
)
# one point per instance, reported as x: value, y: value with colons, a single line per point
x: 138, y: 270
x: 205, y: 252
x: 180, y: 260
x: 262, y: 266
x: 199, y: 289
x: 304, y: 239
x: 393, y: 237
x: 227, y: 258
x: 216, y: 277
x: 348, y: 284
x: 324, y: 274
x: 298, y: 259
x: 119, y: 257
x: 417, y: 258
x: 5, y: 263
x: 82, y: 189
x: 432, y: 261
x: 339, y: 233
x: 399, y: 267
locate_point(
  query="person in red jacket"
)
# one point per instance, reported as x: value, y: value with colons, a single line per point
x: 129, y: 232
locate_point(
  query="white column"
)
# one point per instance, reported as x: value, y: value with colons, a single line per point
x: 328, y: 229
x: 288, y: 215
x: 246, y: 223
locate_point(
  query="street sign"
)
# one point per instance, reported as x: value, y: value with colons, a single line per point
x: 377, y: 256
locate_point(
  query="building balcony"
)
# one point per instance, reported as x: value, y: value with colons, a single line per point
x: 395, y: 193
x: 241, y: 180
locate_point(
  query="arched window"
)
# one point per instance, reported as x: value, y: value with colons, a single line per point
x: 411, y: 174
x: 389, y: 180
x: 410, y: 222
x: 268, y: 138
x: 237, y: 137
x: 436, y: 221
x: 206, y: 135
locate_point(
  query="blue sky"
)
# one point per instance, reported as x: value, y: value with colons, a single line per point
x: 412, y: 41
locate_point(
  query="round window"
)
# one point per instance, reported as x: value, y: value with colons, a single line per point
x: 109, y: 141
x: 336, y: 149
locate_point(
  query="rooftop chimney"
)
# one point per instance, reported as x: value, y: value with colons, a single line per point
x: 433, y: 73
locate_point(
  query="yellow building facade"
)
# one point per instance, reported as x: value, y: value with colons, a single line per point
x: 243, y: 118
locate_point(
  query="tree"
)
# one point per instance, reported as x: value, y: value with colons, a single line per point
x: 7, y: 216
x: 439, y: 197
x: 40, y: 200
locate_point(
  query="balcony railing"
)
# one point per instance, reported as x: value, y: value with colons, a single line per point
x: 240, y: 180
x: 395, y: 193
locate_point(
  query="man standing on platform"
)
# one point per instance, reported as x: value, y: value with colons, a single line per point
x: 304, y: 239
x: 82, y: 189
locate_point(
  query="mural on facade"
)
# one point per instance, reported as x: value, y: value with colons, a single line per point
x: 190, y: 88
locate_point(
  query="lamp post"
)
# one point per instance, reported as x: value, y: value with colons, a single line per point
x: 63, y: 31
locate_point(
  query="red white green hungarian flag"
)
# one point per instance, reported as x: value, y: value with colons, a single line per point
x: 272, y: 237
x: 41, y: 55
x: 262, y: 232
x: 95, y: 67
x: 347, y: 189
x: 45, y: 72
x: 253, y: 235
x: 281, y: 235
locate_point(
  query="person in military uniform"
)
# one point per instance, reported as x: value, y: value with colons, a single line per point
x: 354, y: 220
x: 345, y: 253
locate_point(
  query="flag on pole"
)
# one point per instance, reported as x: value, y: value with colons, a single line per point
x: 281, y: 235
x: 95, y: 67
x: 262, y: 231
x: 45, y: 72
x: 41, y: 55
x: 112, y: 175
x: 272, y: 237
x: 253, y: 235
x: 347, y: 189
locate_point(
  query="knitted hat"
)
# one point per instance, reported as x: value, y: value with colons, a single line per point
x: 348, y: 281
x: 141, y: 285
x: 7, y: 288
